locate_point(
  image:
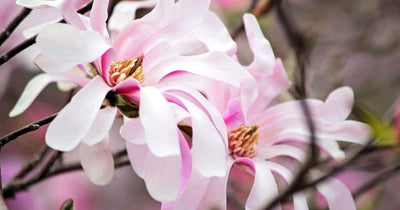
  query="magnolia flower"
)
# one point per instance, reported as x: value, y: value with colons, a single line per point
x: 260, y: 137
x: 130, y: 70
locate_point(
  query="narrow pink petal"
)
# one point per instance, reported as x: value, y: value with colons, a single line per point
x: 336, y: 194
x: 75, y: 119
x: 209, y: 151
x: 125, y: 12
x: 220, y: 40
x: 98, y: 15
x: 133, y: 131
x: 269, y: 86
x: 270, y: 151
x: 338, y: 105
x: 158, y: 122
x: 128, y: 87
x: 299, y: 199
x: 38, y: 4
x: 162, y: 176
x: 264, y: 187
x: 233, y: 115
x: 66, y: 44
x: 105, y: 62
x: 264, y: 58
x: 137, y: 156
x: 37, y: 84
x: 97, y: 161
x: 101, y: 126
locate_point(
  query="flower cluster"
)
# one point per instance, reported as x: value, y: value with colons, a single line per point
x: 190, y: 109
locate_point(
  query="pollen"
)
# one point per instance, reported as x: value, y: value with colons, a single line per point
x: 127, y: 68
x: 243, y: 141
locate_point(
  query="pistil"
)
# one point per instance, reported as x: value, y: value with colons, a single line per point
x: 127, y: 68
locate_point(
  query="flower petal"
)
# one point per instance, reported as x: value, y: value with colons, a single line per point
x: 101, y: 126
x: 338, y: 105
x: 97, y: 161
x: 133, y: 131
x: 137, y: 156
x: 220, y: 40
x: 37, y: 84
x: 209, y: 151
x: 125, y: 12
x: 162, y: 176
x: 264, y: 187
x: 264, y: 58
x: 64, y: 46
x: 336, y: 194
x: 98, y: 15
x: 158, y: 122
x: 75, y: 119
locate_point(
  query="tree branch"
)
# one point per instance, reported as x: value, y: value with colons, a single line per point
x: 29, y: 128
x: 17, y: 185
x: 297, y: 42
x: 387, y: 174
x: 13, y: 25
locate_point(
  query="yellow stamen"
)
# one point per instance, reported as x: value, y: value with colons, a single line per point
x: 127, y: 68
x: 243, y: 141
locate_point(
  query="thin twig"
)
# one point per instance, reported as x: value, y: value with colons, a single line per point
x: 13, y: 25
x: 19, y: 185
x: 29, y: 128
x: 297, y: 42
x: 256, y: 10
x: 29, y: 42
x: 387, y: 174
x: 29, y: 166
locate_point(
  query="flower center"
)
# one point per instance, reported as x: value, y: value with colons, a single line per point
x: 243, y: 141
x: 127, y: 68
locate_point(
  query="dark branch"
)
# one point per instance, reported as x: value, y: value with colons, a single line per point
x: 28, y: 167
x: 256, y: 10
x: 13, y: 25
x: 29, y: 128
x: 382, y: 177
x: 297, y: 42
x: 18, y: 185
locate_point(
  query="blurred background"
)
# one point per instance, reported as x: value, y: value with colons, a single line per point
x: 354, y: 43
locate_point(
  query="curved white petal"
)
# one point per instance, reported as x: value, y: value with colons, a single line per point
x: 37, y: 84
x: 64, y: 46
x: 97, y: 161
x: 158, y: 122
x: 137, y: 156
x: 101, y: 126
x: 125, y: 12
x: 264, y: 187
x: 75, y: 119
x: 264, y: 58
x: 270, y: 151
x: 98, y: 15
x: 133, y: 131
x: 336, y: 194
x: 220, y: 39
x: 162, y: 176
x: 209, y: 152
x: 338, y: 105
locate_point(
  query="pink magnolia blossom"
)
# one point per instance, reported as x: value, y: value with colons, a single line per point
x: 145, y: 46
x: 262, y: 136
